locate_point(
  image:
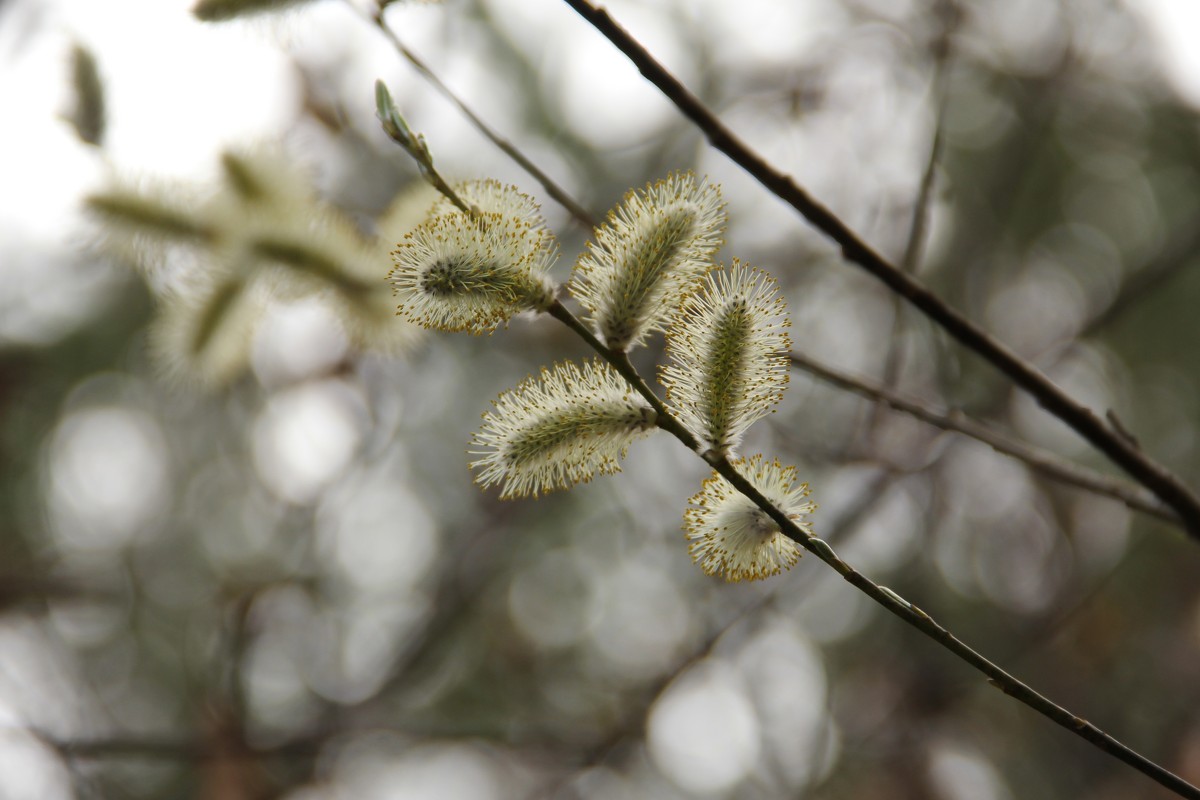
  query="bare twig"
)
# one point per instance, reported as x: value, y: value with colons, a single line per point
x: 1119, y: 427
x: 1084, y: 421
x: 914, y: 246
x: 1037, y: 459
x: 560, y: 195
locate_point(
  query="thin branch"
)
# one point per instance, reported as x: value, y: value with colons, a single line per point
x: 914, y: 246
x: 920, y: 620
x: 560, y: 195
x: 943, y: 57
x: 1152, y: 475
x: 1041, y: 461
x: 885, y: 597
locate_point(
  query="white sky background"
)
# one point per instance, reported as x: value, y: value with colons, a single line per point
x: 171, y: 109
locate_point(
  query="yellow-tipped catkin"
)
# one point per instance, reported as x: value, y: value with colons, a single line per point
x: 473, y: 272
x: 728, y: 346
x: 649, y: 252
x: 731, y: 537
x: 559, y: 429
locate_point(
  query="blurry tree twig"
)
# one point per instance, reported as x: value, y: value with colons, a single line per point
x: 560, y: 195
x: 914, y: 246
x: 1155, y: 477
x: 172, y: 748
x: 1037, y: 459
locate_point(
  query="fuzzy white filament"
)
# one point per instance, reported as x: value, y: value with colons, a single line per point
x: 491, y: 195
x: 559, y: 429
x: 730, y: 536
x: 472, y: 272
x: 651, y: 249
x: 728, y: 346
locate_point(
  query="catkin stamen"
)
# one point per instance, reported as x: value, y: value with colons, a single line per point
x: 562, y: 428
x: 650, y: 252
x: 728, y: 347
x: 730, y: 537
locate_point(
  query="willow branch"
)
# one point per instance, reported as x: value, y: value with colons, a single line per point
x: 885, y: 597
x: 560, y: 195
x: 914, y: 246
x: 1041, y: 461
x: 1150, y: 474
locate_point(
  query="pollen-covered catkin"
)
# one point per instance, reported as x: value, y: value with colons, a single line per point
x: 473, y: 272
x: 561, y: 428
x: 728, y: 535
x: 650, y: 250
x: 728, y: 347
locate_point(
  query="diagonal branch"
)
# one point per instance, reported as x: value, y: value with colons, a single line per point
x: 1155, y: 477
x: 882, y: 595
x: 914, y: 246
x: 1039, y: 460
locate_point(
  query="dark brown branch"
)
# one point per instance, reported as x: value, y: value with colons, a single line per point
x: 1037, y: 459
x: 1152, y: 475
